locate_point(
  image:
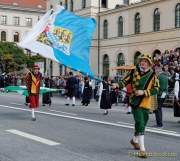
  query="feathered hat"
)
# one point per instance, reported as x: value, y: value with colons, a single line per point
x: 147, y: 57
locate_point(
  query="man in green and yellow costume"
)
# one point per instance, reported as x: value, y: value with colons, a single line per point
x: 144, y: 84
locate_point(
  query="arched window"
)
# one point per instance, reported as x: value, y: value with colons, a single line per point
x: 60, y: 3
x: 3, y: 36
x: 120, y: 26
x: 137, y: 22
x: 105, y: 27
x: 120, y: 62
x: 156, y: 20
x: 51, y: 6
x: 71, y: 6
x: 83, y: 3
x: 136, y: 56
x: 120, y: 59
x: 177, y: 15
x: 16, y: 37
x: 105, y: 65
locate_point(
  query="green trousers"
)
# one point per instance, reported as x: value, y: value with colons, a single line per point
x: 141, y: 117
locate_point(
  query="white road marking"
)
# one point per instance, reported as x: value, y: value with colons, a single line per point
x: 33, y: 137
x: 13, y: 103
x: 149, y: 128
x: 49, y: 109
x: 124, y: 125
x: 62, y: 112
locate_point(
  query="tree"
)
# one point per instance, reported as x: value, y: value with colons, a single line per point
x: 13, y: 58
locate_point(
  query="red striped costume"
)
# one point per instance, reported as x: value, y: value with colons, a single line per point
x: 33, y: 85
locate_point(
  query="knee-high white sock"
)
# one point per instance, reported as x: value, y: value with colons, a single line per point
x: 67, y: 101
x: 141, y: 142
x: 129, y: 108
x: 73, y: 99
x: 135, y: 139
x: 33, y: 113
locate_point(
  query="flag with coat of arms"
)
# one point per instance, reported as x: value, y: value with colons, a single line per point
x: 63, y: 37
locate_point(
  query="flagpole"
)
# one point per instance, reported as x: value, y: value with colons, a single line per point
x: 99, y: 38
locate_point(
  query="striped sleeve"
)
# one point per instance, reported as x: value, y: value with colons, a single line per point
x: 154, y: 88
x: 126, y: 80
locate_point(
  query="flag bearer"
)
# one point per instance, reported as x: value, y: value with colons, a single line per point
x: 33, y: 80
x: 144, y: 84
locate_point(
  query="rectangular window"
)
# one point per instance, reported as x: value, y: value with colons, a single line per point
x: 28, y: 21
x: 104, y: 3
x: 16, y: 21
x: 60, y: 3
x: 3, y: 20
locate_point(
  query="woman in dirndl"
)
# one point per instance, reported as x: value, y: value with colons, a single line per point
x: 87, y: 92
x: 104, y: 93
x: 46, y: 97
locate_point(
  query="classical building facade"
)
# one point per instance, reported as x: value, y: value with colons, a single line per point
x: 18, y: 16
x: 127, y: 28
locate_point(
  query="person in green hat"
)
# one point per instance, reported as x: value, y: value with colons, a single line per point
x: 144, y: 84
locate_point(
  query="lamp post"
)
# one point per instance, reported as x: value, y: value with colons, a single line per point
x: 99, y: 37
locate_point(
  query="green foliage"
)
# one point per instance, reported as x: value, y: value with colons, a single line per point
x: 13, y: 58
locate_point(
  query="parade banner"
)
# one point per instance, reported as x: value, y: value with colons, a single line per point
x: 63, y: 37
x: 23, y: 90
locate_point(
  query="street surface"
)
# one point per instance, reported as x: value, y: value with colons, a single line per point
x: 67, y: 133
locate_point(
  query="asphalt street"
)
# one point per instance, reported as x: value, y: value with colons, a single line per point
x: 67, y: 133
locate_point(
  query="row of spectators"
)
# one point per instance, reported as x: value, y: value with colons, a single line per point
x: 169, y: 60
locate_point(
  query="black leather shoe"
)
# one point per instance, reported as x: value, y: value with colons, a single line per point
x: 33, y: 119
x: 73, y: 104
x: 105, y: 113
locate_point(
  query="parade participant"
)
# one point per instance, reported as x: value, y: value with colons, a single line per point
x: 177, y: 96
x: 87, y: 92
x: 26, y: 72
x: 161, y: 96
x: 144, y: 84
x: 113, y: 92
x: 129, y: 91
x: 70, y: 87
x: 26, y: 100
x: 46, y: 97
x: 104, y: 95
x: 33, y: 80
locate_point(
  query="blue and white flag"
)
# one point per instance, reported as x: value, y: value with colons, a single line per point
x: 63, y: 37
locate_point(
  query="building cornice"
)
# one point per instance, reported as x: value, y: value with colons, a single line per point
x: 18, y: 8
x: 132, y: 6
x: 130, y: 37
